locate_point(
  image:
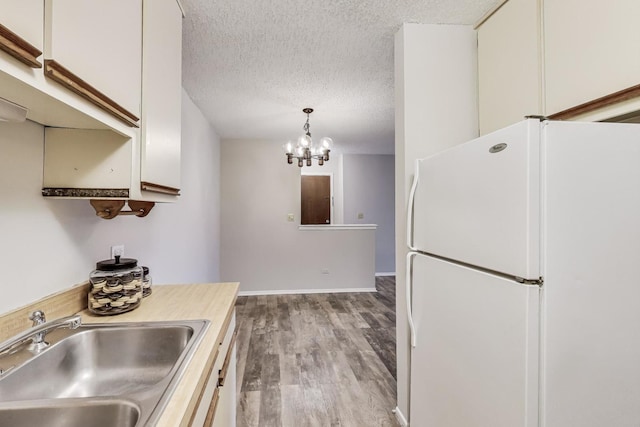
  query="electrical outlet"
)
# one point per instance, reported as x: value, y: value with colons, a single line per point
x: 117, y: 250
x: 290, y: 218
x: 360, y: 215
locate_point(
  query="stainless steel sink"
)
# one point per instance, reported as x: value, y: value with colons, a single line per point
x: 99, y: 361
x: 138, y: 363
x: 71, y: 413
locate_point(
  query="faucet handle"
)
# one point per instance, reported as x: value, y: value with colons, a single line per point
x: 38, y: 317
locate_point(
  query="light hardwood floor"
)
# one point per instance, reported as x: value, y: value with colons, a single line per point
x: 317, y: 359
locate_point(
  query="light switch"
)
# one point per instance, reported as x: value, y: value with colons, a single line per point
x: 290, y: 218
x: 360, y: 215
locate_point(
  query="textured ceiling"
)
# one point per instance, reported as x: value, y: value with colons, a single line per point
x: 252, y: 65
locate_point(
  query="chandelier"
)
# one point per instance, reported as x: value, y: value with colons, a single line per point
x: 305, y: 150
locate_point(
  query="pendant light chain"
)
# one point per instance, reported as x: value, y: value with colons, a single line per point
x: 306, y: 128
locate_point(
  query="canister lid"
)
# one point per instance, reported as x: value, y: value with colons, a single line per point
x: 145, y: 270
x: 116, y: 264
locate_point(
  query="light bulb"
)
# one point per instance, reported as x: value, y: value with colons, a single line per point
x: 304, y: 140
x: 288, y: 147
x: 326, y: 143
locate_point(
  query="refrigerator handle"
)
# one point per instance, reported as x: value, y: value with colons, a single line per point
x: 412, y: 196
x: 409, y: 293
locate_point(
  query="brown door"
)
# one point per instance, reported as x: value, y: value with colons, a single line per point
x: 316, y: 199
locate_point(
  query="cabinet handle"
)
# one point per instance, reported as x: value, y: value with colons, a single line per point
x: 60, y: 74
x: 157, y: 188
x: 225, y: 366
x: 605, y: 101
x: 19, y: 48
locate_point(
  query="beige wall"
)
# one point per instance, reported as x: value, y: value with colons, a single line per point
x: 49, y: 245
x: 264, y: 251
x: 436, y: 107
x: 364, y: 183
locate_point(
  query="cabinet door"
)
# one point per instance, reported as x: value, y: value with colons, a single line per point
x: 101, y: 44
x: 23, y: 18
x: 161, y: 96
x: 592, y: 49
x: 217, y: 403
x: 225, y: 415
x: 509, y: 72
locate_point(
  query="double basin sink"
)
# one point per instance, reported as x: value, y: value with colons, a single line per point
x: 99, y: 375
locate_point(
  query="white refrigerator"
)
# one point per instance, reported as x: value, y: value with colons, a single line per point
x: 523, y: 279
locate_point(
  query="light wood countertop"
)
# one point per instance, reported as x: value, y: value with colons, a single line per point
x: 211, y: 301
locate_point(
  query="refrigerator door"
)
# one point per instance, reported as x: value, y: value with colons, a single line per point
x: 479, y: 202
x: 476, y: 357
x: 591, y: 296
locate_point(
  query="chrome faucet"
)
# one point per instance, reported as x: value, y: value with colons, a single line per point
x: 38, y: 318
x: 38, y: 332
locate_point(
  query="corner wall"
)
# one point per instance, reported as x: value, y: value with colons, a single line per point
x: 369, y: 190
x: 436, y: 108
x: 265, y: 252
x: 49, y: 245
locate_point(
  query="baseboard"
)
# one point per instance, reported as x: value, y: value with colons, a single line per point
x: 400, y: 418
x: 304, y: 291
x: 385, y: 274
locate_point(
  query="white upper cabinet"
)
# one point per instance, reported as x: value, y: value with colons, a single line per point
x: 162, y: 96
x: 124, y: 60
x: 95, y: 49
x: 23, y: 18
x: 565, y: 59
x: 592, y: 50
x: 509, y: 70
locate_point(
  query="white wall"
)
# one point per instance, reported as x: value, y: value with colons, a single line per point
x: 369, y: 189
x: 49, y: 245
x: 436, y: 107
x: 264, y: 251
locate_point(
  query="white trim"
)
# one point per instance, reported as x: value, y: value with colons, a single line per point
x: 10, y: 112
x: 304, y: 291
x: 181, y: 7
x: 338, y: 227
x: 400, y: 418
x: 489, y: 13
x: 386, y: 274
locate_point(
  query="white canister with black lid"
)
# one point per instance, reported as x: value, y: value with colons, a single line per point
x: 115, y: 286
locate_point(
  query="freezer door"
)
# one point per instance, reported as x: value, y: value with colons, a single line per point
x: 475, y: 363
x: 478, y: 203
